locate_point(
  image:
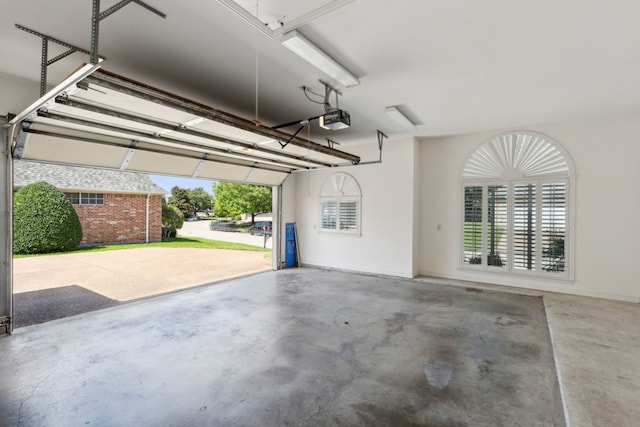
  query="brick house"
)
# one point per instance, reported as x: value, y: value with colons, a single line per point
x: 113, y: 206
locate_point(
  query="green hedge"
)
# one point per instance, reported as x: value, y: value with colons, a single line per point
x: 172, y: 220
x: 44, y: 220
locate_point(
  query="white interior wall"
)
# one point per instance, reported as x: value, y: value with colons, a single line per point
x: 605, y: 153
x: 16, y: 94
x: 385, y: 245
x: 416, y: 188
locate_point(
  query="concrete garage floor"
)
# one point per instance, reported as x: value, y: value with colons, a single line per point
x: 313, y: 347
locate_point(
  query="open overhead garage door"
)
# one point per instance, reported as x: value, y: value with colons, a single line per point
x: 104, y: 120
x: 99, y: 119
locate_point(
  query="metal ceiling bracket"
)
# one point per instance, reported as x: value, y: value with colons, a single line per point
x: 45, y: 61
x: 302, y: 125
x: 50, y: 97
x: 196, y: 171
x: 129, y: 155
x: 331, y: 143
x: 98, y: 16
x: 248, y: 174
x: 381, y: 137
x: 21, y: 142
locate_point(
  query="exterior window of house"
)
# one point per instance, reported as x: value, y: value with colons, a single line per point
x: 515, y: 196
x: 340, y: 201
x: 86, y: 198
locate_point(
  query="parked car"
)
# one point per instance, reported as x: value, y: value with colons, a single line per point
x: 260, y: 228
x: 223, y: 226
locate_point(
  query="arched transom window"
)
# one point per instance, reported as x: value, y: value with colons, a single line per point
x: 515, y: 196
x: 340, y: 204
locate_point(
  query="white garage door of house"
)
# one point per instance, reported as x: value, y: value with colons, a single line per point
x: 97, y: 118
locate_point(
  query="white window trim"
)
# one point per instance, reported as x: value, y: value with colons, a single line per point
x: 337, y: 229
x: 340, y: 188
x: 80, y: 193
x: 566, y: 177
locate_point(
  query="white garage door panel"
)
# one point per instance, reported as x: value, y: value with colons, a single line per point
x: 62, y: 129
x: 98, y: 118
x: 232, y: 173
x: 265, y: 176
x: 227, y: 131
x: 106, y: 120
x: 105, y: 97
x: 69, y: 151
x: 144, y: 161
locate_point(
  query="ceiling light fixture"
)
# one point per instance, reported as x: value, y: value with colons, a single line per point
x: 311, y: 53
x: 398, y: 117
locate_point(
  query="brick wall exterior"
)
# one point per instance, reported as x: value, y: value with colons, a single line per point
x: 122, y: 219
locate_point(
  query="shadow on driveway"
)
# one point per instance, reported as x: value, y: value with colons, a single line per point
x: 50, y: 304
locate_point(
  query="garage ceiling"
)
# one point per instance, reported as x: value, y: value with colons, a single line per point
x: 455, y: 66
x: 100, y: 119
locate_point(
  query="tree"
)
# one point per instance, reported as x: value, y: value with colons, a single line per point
x: 181, y: 200
x: 235, y: 199
x: 172, y: 220
x: 201, y: 200
x: 44, y: 220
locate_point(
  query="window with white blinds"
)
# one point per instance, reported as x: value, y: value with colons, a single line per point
x: 348, y: 216
x: 496, y: 226
x: 340, y: 204
x: 515, y: 214
x: 339, y: 216
x: 518, y: 227
x: 473, y: 248
x: 524, y: 227
x: 329, y: 215
x: 554, y: 226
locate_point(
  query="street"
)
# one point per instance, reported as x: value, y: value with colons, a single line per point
x: 201, y: 229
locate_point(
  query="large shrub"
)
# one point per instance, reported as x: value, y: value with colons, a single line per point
x: 172, y: 220
x: 44, y: 220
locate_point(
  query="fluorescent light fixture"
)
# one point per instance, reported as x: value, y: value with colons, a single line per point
x: 311, y: 53
x: 397, y: 116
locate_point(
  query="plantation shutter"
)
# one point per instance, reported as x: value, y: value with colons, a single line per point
x: 497, y: 224
x: 516, y: 189
x: 524, y: 227
x: 348, y: 216
x: 340, y: 202
x: 554, y: 214
x: 473, y: 224
x: 329, y: 215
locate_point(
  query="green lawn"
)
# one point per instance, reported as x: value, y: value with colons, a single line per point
x: 473, y: 235
x: 178, y: 242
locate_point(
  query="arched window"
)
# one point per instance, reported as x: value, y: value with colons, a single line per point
x: 515, y: 194
x: 340, y: 204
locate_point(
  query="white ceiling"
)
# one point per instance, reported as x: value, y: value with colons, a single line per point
x: 454, y: 66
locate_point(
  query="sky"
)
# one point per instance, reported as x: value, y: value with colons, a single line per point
x: 167, y: 182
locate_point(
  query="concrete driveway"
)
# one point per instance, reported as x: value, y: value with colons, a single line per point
x: 54, y: 286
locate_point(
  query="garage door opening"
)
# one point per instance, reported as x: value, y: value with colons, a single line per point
x: 105, y: 121
x: 63, y: 284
